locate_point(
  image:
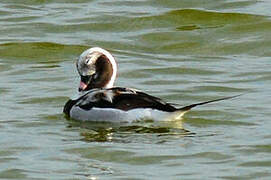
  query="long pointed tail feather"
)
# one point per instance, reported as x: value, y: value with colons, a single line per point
x: 181, y: 111
x: 187, y: 108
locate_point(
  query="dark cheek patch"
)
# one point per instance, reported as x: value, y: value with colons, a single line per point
x: 104, y: 72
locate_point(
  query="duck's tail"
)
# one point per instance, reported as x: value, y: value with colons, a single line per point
x: 181, y: 111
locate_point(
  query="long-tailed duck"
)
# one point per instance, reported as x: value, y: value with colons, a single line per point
x: 98, y: 100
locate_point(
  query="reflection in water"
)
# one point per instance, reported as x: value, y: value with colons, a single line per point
x: 107, y: 132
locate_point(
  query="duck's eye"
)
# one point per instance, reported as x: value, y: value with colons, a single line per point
x: 87, y: 61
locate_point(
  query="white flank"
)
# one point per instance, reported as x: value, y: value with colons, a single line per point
x: 116, y: 115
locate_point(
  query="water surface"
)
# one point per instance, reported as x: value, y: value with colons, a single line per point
x: 184, y: 52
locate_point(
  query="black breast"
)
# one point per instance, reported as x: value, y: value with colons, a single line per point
x: 68, y: 106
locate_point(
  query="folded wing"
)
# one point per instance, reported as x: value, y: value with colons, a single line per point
x: 122, y: 98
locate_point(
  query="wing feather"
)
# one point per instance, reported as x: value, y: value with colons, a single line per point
x: 122, y: 98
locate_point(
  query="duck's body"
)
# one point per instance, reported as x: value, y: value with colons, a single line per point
x: 98, y: 100
x: 119, y: 105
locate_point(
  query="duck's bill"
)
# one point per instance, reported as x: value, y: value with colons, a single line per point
x: 82, y: 86
x: 86, y: 78
x: 84, y: 83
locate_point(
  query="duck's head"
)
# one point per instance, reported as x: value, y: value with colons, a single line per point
x: 97, y: 69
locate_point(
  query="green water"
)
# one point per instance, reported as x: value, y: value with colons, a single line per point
x: 182, y: 51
